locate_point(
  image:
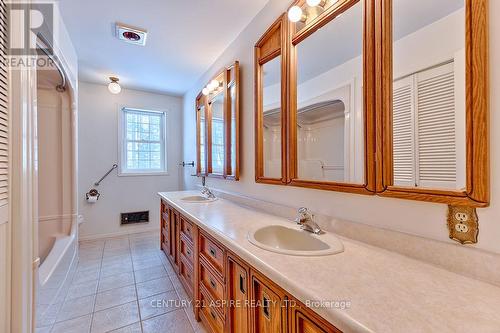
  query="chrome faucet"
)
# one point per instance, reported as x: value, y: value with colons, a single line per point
x: 306, y: 220
x: 205, y: 190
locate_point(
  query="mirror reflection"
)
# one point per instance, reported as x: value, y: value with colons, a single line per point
x: 203, y: 155
x: 330, y: 108
x: 429, y: 94
x: 234, y: 124
x: 217, y: 110
x: 272, y: 118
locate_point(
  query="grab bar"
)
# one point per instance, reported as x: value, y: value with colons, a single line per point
x: 107, y: 173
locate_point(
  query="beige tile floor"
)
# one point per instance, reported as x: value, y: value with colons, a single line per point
x: 124, y: 284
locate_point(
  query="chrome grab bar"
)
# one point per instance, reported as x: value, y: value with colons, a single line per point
x: 107, y: 173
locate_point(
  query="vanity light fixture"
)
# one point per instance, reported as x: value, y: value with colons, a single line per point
x: 114, y: 87
x: 211, y: 87
x: 295, y: 14
x: 314, y: 3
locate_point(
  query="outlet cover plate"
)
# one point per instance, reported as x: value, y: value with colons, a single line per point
x: 463, y: 224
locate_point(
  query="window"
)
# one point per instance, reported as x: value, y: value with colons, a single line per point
x: 143, y: 142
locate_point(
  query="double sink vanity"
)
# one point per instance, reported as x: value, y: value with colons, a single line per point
x: 248, y: 270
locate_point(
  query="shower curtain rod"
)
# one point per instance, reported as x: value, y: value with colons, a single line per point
x: 61, y: 87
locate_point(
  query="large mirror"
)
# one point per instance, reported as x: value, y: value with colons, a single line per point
x: 272, y: 115
x: 331, y: 96
x: 217, y: 110
x: 270, y: 108
x: 218, y: 126
x: 429, y: 94
x: 201, y: 129
x: 436, y: 107
x: 329, y: 109
x: 233, y: 169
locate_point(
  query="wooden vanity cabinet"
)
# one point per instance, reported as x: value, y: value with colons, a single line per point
x: 268, y: 313
x: 303, y: 320
x: 238, y: 289
x: 164, y: 228
x: 230, y: 296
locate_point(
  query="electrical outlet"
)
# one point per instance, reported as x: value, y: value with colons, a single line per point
x: 463, y: 224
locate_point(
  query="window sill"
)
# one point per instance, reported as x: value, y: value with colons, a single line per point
x: 139, y: 174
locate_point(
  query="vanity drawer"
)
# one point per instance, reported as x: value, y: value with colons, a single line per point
x: 187, y: 249
x: 186, y: 276
x: 187, y: 228
x: 211, y: 283
x: 212, y: 253
x: 209, y: 313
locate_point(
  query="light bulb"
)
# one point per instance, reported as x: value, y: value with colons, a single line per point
x: 314, y: 3
x: 205, y: 91
x: 114, y: 87
x: 215, y: 84
x: 295, y: 14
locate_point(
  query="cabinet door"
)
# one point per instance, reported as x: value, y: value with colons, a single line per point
x: 269, y: 306
x: 237, y: 290
x: 304, y: 320
x: 174, y: 239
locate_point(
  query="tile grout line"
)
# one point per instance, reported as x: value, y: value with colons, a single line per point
x: 97, y: 288
x: 135, y: 285
x: 100, y: 276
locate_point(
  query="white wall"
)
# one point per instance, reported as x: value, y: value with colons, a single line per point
x: 98, y: 151
x: 419, y: 218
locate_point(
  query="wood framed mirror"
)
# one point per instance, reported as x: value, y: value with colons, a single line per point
x: 433, y: 78
x: 217, y: 126
x: 271, y: 68
x: 331, y: 114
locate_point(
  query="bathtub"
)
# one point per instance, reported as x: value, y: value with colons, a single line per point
x: 55, y: 275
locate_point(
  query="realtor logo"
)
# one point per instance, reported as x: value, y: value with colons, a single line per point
x: 30, y: 21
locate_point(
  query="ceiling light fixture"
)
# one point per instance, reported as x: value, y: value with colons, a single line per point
x: 295, y: 14
x: 114, y: 87
x: 205, y: 91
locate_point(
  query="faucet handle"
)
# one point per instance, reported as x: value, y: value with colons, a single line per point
x: 303, y: 210
x: 302, y: 214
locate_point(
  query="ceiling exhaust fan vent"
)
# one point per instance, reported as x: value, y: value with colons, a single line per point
x: 131, y: 35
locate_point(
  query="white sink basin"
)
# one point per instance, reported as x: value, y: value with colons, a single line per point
x: 198, y: 198
x: 294, y: 241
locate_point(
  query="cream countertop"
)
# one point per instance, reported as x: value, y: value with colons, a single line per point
x: 387, y: 292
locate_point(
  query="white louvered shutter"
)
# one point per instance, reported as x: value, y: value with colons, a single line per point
x: 4, y: 118
x: 403, y: 132
x: 435, y: 107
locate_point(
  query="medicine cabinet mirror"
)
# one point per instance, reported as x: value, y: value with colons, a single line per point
x: 331, y: 97
x: 435, y: 112
x: 386, y: 97
x: 217, y: 124
x: 271, y: 105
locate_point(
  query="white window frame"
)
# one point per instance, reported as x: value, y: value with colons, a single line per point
x: 122, y: 145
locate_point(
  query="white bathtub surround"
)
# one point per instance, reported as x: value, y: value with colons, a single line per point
x: 114, y: 286
x: 409, y: 295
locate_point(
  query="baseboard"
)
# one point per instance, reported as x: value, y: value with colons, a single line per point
x: 118, y: 233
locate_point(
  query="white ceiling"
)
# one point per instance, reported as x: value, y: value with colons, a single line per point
x: 184, y: 38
